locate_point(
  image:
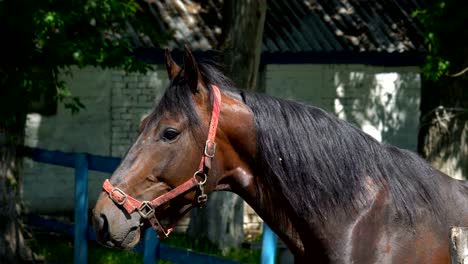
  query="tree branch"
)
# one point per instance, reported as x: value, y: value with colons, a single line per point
x: 460, y: 73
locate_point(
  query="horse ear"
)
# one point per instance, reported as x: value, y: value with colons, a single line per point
x: 171, y: 66
x: 191, y: 72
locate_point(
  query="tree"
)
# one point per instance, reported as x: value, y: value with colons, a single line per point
x: 222, y: 219
x: 443, y: 137
x: 41, y: 40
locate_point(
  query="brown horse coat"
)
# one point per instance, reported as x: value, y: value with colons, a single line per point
x: 331, y: 193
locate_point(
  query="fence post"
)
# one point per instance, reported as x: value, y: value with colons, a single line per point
x: 81, y: 209
x: 151, y: 247
x: 268, y: 245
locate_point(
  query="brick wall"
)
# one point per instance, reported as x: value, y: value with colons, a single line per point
x: 133, y: 96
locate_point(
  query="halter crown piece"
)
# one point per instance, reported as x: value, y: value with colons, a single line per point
x: 147, y: 208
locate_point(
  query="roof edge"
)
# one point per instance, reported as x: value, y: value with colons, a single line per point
x: 409, y: 58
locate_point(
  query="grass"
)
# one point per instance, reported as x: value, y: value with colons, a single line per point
x: 203, y: 245
x: 59, y: 249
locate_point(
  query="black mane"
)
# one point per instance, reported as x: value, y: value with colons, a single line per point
x: 314, y: 163
x: 319, y: 163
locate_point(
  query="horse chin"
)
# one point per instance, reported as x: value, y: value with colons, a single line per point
x: 124, y: 239
x: 131, y: 239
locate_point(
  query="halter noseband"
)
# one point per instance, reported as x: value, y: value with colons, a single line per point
x: 147, y: 208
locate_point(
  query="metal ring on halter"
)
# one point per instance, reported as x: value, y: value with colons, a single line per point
x: 146, y: 210
x: 204, y: 177
x: 111, y: 196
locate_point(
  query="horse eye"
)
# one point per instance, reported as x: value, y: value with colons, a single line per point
x: 170, y: 134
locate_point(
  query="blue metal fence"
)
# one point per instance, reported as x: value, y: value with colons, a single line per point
x: 153, y: 249
x: 269, y: 241
x: 81, y: 209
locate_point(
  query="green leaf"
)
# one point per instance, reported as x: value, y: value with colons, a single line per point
x: 49, y: 17
x: 54, y: 35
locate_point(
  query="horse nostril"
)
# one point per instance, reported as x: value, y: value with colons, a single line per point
x: 101, y: 221
x: 102, y: 227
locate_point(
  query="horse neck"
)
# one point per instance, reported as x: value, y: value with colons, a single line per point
x: 276, y: 218
x: 237, y: 145
x: 304, y: 237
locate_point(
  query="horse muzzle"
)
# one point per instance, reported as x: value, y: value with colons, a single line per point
x: 114, y: 227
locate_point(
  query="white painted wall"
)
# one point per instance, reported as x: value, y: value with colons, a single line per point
x: 382, y: 101
x: 49, y: 188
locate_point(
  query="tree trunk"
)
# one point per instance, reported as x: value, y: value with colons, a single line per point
x: 242, y: 40
x: 222, y: 219
x: 13, y: 248
x: 443, y: 138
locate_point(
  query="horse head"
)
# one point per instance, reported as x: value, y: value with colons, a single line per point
x: 189, y: 146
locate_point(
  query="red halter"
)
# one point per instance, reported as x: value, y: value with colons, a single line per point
x: 147, y: 208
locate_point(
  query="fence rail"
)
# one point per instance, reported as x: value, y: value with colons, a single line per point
x: 152, y: 249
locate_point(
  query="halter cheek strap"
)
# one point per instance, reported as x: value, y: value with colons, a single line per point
x: 147, y: 208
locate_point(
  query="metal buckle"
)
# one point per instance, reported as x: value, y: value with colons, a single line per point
x: 146, y: 209
x: 210, y: 148
x: 203, y: 176
x: 111, y: 196
x: 202, y: 198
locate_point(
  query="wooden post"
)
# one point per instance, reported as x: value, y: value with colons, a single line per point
x: 459, y: 245
x: 81, y: 208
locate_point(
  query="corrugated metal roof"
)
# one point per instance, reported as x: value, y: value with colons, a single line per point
x: 297, y: 26
x: 196, y: 23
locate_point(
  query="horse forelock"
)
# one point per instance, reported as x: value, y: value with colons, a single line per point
x: 178, y: 99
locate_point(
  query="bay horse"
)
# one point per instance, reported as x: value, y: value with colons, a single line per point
x: 331, y: 193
